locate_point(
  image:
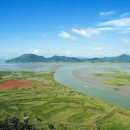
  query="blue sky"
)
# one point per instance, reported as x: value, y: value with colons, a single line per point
x: 80, y: 28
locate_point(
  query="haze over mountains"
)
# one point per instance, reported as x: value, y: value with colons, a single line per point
x: 36, y: 58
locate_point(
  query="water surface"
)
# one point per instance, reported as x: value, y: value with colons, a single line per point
x: 64, y: 76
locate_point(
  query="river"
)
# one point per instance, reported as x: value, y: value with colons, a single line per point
x: 63, y: 75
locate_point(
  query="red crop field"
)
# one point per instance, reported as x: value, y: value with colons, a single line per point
x: 15, y: 83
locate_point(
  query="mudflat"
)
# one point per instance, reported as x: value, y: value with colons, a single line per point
x: 115, y: 80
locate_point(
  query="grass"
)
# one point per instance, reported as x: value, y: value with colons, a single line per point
x: 48, y: 102
x: 116, y: 82
x: 118, y: 79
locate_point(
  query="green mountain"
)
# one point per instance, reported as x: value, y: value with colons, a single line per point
x: 64, y: 59
x: 121, y: 58
x: 36, y: 58
x: 28, y: 58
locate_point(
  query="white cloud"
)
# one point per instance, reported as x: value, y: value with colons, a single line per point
x: 106, y: 13
x: 90, y: 31
x: 85, y: 32
x: 105, y: 29
x: 99, y: 49
x: 66, y: 35
x: 36, y: 51
x: 126, y: 14
x: 122, y: 22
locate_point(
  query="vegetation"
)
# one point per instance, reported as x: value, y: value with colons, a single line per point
x: 121, y: 58
x: 119, y: 79
x: 51, y: 106
x: 15, y: 124
x: 36, y: 58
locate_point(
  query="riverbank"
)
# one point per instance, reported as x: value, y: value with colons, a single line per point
x: 64, y: 76
x: 115, y: 81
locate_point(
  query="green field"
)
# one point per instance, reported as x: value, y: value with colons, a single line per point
x: 119, y: 79
x: 48, y: 102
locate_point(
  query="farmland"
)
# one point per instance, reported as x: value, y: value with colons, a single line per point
x: 47, y: 102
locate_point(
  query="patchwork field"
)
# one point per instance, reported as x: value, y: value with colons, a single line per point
x: 46, y: 103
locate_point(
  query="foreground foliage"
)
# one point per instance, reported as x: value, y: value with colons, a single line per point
x: 15, y: 124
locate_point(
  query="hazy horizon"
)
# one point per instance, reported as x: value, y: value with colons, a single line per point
x: 6, y: 58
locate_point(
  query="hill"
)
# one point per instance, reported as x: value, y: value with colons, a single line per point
x: 121, y: 58
x: 36, y: 58
x: 28, y: 58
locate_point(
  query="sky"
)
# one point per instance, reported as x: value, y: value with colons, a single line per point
x: 76, y: 28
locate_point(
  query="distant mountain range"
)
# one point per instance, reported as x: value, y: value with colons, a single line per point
x: 36, y: 58
x: 121, y: 58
